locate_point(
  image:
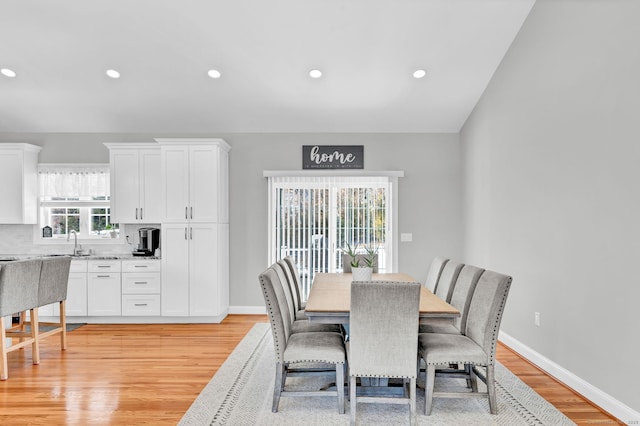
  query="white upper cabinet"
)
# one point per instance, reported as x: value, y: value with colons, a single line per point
x: 19, y: 191
x: 136, y: 191
x: 195, y: 180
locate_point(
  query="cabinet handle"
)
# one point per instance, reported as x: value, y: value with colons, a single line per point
x: 140, y: 213
x: 139, y: 304
x: 185, y: 212
x: 191, y: 233
x: 140, y: 282
x: 136, y: 213
x: 103, y: 266
x: 140, y: 266
x: 191, y: 209
x: 103, y: 276
x: 185, y: 233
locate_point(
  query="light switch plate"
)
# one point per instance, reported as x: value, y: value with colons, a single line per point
x: 406, y: 238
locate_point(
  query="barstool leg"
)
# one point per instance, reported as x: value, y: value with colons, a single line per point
x: 35, y: 346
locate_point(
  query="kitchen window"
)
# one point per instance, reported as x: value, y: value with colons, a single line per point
x: 76, y: 198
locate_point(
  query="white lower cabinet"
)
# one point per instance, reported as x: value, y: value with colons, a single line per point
x: 114, y: 287
x: 76, y: 304
x: 141, y: 287
x: 104, y: 288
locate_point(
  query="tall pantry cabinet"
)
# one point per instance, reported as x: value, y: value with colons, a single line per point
x: 195, y: 228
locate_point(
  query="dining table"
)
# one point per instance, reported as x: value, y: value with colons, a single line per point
x: 330, y: 298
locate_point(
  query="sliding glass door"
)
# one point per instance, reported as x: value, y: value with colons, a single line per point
x: 313, y: 218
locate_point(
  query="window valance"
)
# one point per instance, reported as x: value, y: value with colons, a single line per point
x: 73, y: 181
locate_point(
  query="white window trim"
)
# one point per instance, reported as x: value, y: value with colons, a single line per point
x: 393, y: 176
x: 37, y: 229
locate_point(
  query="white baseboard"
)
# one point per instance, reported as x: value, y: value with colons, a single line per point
x: 605, y: 401
x: 248, y: 310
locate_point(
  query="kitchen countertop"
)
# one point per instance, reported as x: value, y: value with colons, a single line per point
x: 11, y: 257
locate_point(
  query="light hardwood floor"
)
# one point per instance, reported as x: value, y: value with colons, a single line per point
x: 150, y: 374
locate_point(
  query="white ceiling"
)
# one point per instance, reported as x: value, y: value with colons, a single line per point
x: 367, y: 50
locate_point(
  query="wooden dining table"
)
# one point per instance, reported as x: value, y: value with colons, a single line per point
x: 330, y: 298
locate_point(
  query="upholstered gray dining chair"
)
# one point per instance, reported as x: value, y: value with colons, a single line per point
x: 19, y: 293
x: 295, y: 273
x: 52, y: 288
x: 299, y: 322
x: 293, y: 290
x: 460, y: 299
x: 323, y: 349
x: 383, y: 339
x: 477, y: 348
x: 433, y: 274
x: 447, y: 279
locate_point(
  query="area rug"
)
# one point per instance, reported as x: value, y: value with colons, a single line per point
x: 241, y: 394
x: 69, y: 327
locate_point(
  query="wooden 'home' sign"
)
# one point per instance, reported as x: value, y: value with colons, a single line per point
x: 333, y: 156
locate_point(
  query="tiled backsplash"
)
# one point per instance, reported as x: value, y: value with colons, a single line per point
x: 18, y: 239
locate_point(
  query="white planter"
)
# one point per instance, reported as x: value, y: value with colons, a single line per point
x: 361, y: 273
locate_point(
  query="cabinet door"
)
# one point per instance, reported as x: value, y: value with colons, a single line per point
x: 103, y: 294
x: 203, y: 183
x: 150, y: 186
x: 19, y: 175
x: 175, y: 270
x: 223, y: 187
x: 124, y: 186
x: 203, y: 270
x: 175, y: 183
x: 11, y: 195
x: 76, y: 304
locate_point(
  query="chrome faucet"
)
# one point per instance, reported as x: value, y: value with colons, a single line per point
x: 76, y: 251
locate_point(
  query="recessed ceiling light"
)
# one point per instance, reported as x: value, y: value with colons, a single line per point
x: 315, y: 73
x: 419, y: 73
x: 113, y: 73
x: 214, y: 73
x: 7, y: 72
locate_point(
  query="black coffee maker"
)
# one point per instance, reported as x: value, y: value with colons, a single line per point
x: 148, y: 241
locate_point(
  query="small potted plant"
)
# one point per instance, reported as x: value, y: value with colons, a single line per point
x: 110, y: 231
x: 361, y: 264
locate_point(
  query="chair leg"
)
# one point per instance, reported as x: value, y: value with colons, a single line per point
x: 473, y: 378
x: 35, y: 346
x: 346, y: 375
x: 491, y: 389
x: 4, y: 369
x: 63, y: 324
x: 352, y: 399
x: 277, y: 386
x: 340, y: 387
x: 412, y: 401
x: 428, y: 389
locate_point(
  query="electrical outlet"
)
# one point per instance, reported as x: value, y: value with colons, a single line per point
x: 536, y: 319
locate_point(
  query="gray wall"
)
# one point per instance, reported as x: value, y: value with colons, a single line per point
x: 551, y: 158
x: 430, y: 194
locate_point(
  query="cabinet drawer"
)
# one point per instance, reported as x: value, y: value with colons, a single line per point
x: 141, y: 304
x: 141, y: 265
x: 141, y: 283
x: 103, y: 265
x: 78, y: 266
